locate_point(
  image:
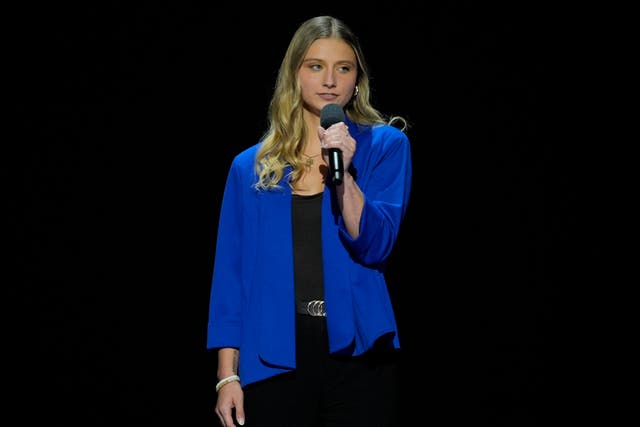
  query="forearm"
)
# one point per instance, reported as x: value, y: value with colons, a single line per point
x: 351, y: 203
x: 227, y: 362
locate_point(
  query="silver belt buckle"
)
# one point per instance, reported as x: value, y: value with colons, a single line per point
x: 316, y: 308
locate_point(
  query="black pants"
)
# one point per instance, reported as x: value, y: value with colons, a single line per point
x: 326, y: 390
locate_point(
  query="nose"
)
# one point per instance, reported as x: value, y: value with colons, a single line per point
x: 329, y: 80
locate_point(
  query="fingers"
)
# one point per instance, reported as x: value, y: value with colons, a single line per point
x: 321, y: 133
x: 336, y: 136
x: 226, y: 409
x: 226, y: 419
x: 240, y: 415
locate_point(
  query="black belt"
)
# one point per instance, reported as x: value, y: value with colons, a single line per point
x: 311, y: 308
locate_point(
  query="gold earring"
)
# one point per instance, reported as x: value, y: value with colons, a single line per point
x: 355, y: 93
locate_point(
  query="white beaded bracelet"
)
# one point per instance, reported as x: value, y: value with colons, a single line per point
x: 226, y: 381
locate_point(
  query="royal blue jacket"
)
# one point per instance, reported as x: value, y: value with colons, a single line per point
x: 252, y: 304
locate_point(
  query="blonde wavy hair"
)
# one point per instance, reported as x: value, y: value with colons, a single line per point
x: 281, y: 143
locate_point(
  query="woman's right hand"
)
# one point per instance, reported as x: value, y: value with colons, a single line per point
x: 230, y: 397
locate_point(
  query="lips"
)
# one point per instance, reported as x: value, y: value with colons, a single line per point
x: 328, y: 96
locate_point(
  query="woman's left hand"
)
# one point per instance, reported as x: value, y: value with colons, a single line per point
x: 337, y: 136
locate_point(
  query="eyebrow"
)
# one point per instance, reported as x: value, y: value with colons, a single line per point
x: 342, y: 61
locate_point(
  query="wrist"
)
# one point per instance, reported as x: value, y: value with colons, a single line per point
x: 225, y: 374
x: 226, y: 380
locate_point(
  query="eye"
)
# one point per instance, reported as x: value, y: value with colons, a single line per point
x: 315, y: 67
x: 344, y: 68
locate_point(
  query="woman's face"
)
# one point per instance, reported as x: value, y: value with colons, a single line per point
x: 328, y: 74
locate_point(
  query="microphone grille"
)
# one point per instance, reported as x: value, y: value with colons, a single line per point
x: 331, y: 114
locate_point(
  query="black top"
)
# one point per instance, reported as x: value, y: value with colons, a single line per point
x: 306, y: 216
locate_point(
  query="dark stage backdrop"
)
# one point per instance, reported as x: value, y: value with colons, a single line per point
x: 130, y: 115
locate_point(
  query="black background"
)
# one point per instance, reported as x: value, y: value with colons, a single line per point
x: 130, y: 113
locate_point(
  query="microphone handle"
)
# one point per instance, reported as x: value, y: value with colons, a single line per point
x: 335, y: 166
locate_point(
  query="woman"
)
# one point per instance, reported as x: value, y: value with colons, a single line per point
x: 300, y: 313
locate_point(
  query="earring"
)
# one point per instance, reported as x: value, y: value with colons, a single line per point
x: 355, y: 93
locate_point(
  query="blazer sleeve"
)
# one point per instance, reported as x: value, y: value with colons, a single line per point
x: 386, y: 185
x: 224, y: 326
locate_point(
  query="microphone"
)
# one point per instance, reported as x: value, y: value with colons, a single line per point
x: 330, y: 114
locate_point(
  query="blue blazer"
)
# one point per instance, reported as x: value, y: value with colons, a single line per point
x: 252, y: 305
